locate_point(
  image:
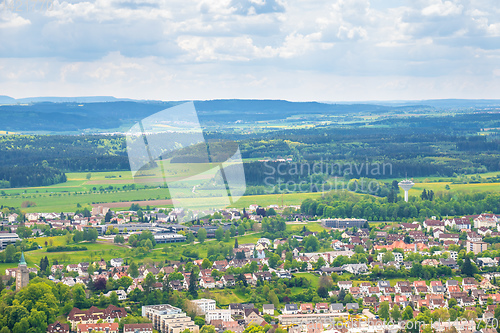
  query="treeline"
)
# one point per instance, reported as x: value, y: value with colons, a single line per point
x: 348, y: 205
x: 30, y: 175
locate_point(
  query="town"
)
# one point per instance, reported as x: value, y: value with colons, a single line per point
x: 301, y: 274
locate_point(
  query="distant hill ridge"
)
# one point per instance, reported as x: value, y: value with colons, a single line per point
x: 107, y: 113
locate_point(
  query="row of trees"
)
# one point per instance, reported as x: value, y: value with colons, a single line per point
x: 335, y: 205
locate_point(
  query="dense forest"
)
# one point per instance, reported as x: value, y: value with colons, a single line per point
x: 418, y: 146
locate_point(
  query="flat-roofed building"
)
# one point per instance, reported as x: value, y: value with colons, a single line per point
x: 204, y: 305
x: 168, y: 319
x: 218, y: 314
x: 476, y: 247
x: 8, y: 238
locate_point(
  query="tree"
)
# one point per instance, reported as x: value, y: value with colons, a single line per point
x: 273, y: 261
x: 133, y: 270
x: 467, y: 267
x: 322, y: 292
x: 108, y: 216
x: 10, y: 251
x: 207, y: 329
x: 113, y: 298
x: 311, y: 243
x: 241, y: 230
x: 236, y: 243
x: 383, y: 311
x: 202, y: 235
x: 272, y: 298
x: 219, y: 234
x: 227, y: 236
x: 206, y: 263
x: 148, y: 282
x: 119, y: 239
x: 89, y: 175
x: 388, y: 256
x: 408, y: 313
x: 396, y: 313
x: 192, y: 285
x: 22, y: 326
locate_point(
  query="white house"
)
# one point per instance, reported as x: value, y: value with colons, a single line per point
x: 116, y: 262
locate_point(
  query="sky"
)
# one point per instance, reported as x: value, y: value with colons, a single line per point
x: 299, y: 50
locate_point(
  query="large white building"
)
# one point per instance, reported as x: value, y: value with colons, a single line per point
x: 8, y: 238
x: 204, y: 305
x: 168, y: 319
x: 218, y: 314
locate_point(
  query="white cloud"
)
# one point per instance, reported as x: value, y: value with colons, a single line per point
x: 251, y: 46
x: 10, y: 19
x: 442, y: 8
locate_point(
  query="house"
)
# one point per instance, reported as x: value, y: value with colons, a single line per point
x: 487, y: 262
x: 98, y: 327
x: 385, y: 298
x: 352, y: 306
x: 321, y: 308
x: 434, y: 224
x: 483, y: 231
x: 290, y: 309
x: 382, y: 285
x: 369, y: 301
x: 452, y: 263
x: 238, y: 309
x: 447, y: 237
x: 101, y: 264
x: 363, y: 286
x: 355, y: 268
x: 72, y: 268
x: 355, y: 292
x: 268, y: 309
x: 207, y: 282
x: 138, y: 328
x: 374, y: 291
x: 438, y: 290
x: 56, y: 268
x: 400, y: 298
x: 346, y: 285
x: 469, y: 284
x: 486, y: 220
x: 306, y: 308
x: 336, y: 307
x: 122, y: 295
x: 94, y: 314
x: 252, y: 317
x: 58, y: 327
x: 228, y: 280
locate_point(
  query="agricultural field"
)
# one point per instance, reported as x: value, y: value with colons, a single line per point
x: 96, y: 188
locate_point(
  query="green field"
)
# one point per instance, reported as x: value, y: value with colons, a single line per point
x: 78, y: 189
x: 311, y: 277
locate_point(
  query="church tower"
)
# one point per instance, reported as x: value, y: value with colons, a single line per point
x: 22, y: 274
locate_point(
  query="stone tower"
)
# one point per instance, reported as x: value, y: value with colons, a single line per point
x: 22, y: 274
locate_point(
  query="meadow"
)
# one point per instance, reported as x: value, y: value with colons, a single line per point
x: 120, y: 186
